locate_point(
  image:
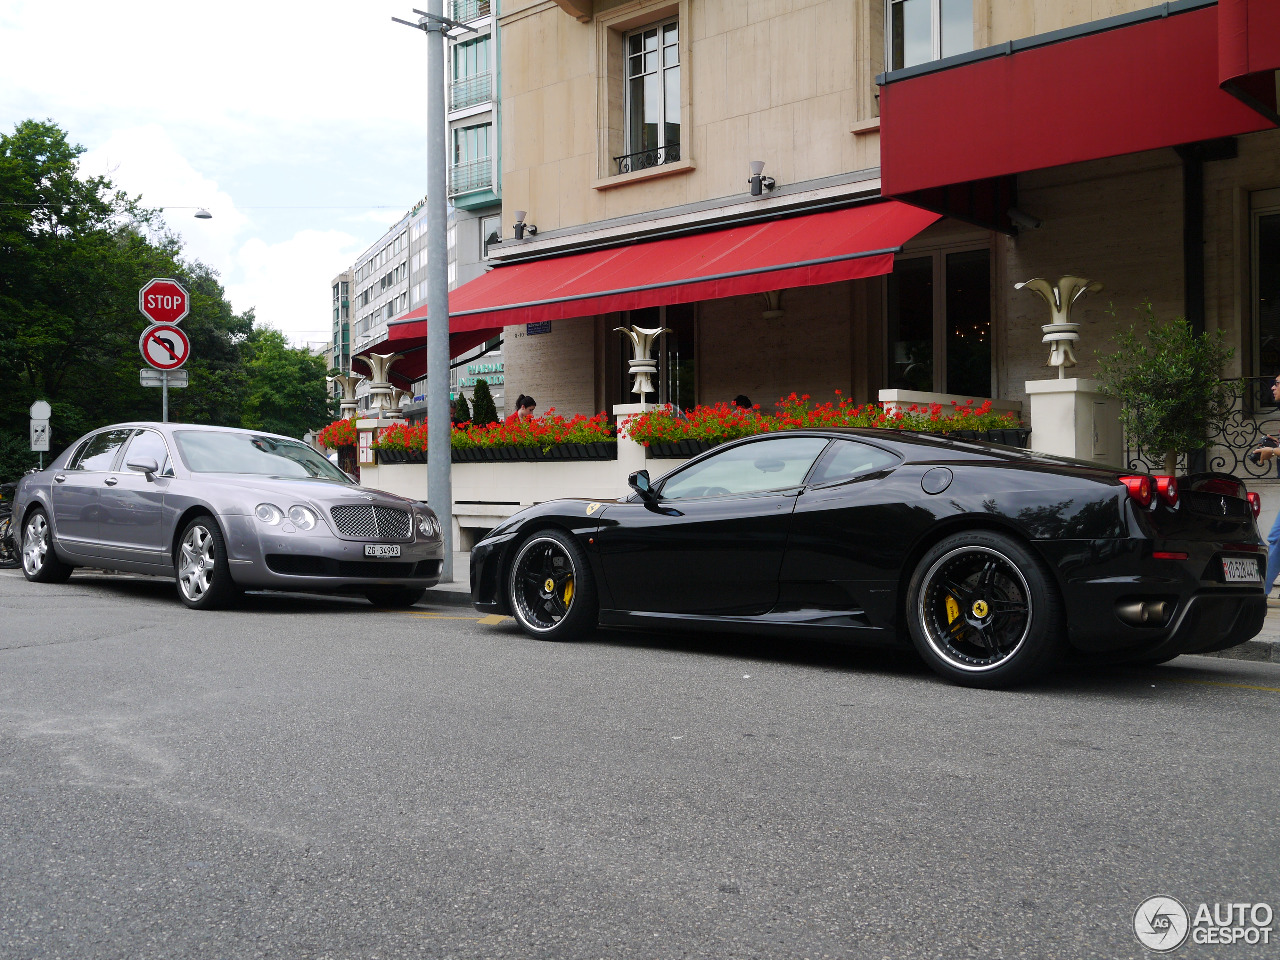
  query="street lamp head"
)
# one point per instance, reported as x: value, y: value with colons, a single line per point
x: 203, y: 214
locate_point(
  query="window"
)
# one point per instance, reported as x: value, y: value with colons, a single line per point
x: 490, y: 232
x: 100, y: 452
x: 773, y: 464
x: 1265, y: 254
x: 472, y: 81
x: 472, y: 168
x: 147, y: 444
x: 923, y: 30
x: 939, y: 309
x: 847, y: 460
x: 652, y: 95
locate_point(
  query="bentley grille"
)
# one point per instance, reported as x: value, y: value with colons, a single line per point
x: 372, y: 523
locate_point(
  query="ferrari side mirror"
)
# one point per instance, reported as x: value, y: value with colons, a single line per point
x: 639, y: 482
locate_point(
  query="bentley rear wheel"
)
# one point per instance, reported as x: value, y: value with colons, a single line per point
x: 552, y: 593
x: 983, y: 611
x: 40, y: 561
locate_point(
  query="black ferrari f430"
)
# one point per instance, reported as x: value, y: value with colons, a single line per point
x: 994, y: 562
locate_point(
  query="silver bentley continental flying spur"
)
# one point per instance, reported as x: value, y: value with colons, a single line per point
x: 221, y: 511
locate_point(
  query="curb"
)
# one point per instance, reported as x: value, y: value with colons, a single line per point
x: 446, y: 598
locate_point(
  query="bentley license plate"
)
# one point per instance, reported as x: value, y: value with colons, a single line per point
x: 393, y: 550
x: 1236, y: 570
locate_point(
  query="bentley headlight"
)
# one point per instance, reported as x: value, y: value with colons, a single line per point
x: 269, y: 513
x: 426, y: 525
x: 301, y: 517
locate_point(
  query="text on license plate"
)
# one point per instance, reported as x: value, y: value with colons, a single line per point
x: 393, y: 550
x: 1236, y: 570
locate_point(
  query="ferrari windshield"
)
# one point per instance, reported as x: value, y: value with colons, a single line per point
x: 211, y: 451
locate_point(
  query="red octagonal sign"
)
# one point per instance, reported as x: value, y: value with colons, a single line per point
x: 163, y: 301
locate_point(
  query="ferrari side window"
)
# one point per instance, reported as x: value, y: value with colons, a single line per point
x: 773, y: 464
x: 848, y: 459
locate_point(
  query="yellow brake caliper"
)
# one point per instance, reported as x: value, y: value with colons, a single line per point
x: 953, y: 609
x: 568, y: 591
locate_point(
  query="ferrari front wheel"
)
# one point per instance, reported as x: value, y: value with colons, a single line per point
x: 552, y: 592
x: 982, y: 610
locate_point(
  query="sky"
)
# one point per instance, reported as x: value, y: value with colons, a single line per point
x: 300, y: 126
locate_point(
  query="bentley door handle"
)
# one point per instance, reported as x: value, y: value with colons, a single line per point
x: 111, y: 481
x: 59, y: 477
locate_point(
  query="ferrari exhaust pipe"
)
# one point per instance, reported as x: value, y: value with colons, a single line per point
x: 1143, y: 613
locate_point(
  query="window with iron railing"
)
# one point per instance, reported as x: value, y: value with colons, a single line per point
x: 469, y: 176
x: 467, y: 10
x: 652, y: 98
x: 470, y: 91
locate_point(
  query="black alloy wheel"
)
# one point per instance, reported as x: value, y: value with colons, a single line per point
x: 552, y: 593
x: 983, y: 611
x: 40, y: 561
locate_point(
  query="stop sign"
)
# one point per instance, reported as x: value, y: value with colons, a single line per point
x: 163, y: 301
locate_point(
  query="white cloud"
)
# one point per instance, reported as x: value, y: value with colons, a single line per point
x: 145, y: 161
x: 289, y: 283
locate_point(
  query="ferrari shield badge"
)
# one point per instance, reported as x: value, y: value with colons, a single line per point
x: 593, y: 507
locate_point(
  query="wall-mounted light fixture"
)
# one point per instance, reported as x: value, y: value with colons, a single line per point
x: 759, y: 182
x: 521, y: 226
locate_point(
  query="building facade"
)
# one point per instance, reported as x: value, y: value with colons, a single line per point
x: 822, y: 195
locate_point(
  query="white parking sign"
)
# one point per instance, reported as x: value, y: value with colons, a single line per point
x: 40, y: 436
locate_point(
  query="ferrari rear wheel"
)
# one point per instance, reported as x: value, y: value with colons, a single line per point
x: 983, y: 611
x: 552, y: 593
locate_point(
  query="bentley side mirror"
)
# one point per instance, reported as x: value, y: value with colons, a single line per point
x: 639, y: 482
x: 145, y: 466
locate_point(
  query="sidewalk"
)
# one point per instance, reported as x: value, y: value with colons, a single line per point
x: 1265, y: 646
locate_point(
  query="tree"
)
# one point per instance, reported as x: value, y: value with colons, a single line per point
x: 483, y: 409
x: 73, y: 254
x: 461, y: 411
x: 1169, y: 382
x: 286, y: 392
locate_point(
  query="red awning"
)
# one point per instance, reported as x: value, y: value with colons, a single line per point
x: 1249, y: 53
x: 1153, y: 83
x: 799, y: 251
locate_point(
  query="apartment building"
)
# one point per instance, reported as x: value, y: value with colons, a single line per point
x: 821, y: 195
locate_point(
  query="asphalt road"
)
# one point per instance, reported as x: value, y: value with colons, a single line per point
x: 317, y: 778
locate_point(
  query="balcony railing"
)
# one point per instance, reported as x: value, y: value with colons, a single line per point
x: 469, y: 176
x: 644, y: 159
x: 464, y: 11
x: 1227, y: 447
x: 470, y: 91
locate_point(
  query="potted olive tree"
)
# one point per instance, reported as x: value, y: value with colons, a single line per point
x: 1168, y: 379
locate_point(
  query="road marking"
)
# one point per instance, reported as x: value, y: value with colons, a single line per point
x: 1219, y: 683
x: 435, y: 616
x: 494, y: 619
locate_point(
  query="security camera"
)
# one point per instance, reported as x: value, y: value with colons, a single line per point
x: 1023, y: 219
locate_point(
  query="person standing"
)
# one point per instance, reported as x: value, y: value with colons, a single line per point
x: 1266, y: 455
x: 525, y: 407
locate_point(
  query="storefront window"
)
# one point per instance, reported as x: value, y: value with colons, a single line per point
x: 1266, y: 291
x: 911, y: 324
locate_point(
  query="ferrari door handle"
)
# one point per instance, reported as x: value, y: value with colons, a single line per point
x: 111, y: 481
x: 59, y: 477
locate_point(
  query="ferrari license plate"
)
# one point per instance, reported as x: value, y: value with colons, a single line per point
x: 1235, y: 570
x: 382, y: 550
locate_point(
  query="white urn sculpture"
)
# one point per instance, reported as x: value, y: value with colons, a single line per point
x: 1060, y: 333
x: 347, y: 381
x: 643, y: 367
x: 380, y: 382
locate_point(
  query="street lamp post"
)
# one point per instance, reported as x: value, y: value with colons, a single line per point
x: 439, y: 423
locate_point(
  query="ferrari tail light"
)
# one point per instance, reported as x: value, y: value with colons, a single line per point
x: 1255, y: 504
x: 1167, y: 488
x: 1139, y: 489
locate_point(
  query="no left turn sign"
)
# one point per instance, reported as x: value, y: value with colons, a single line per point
x: 164, y: 346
